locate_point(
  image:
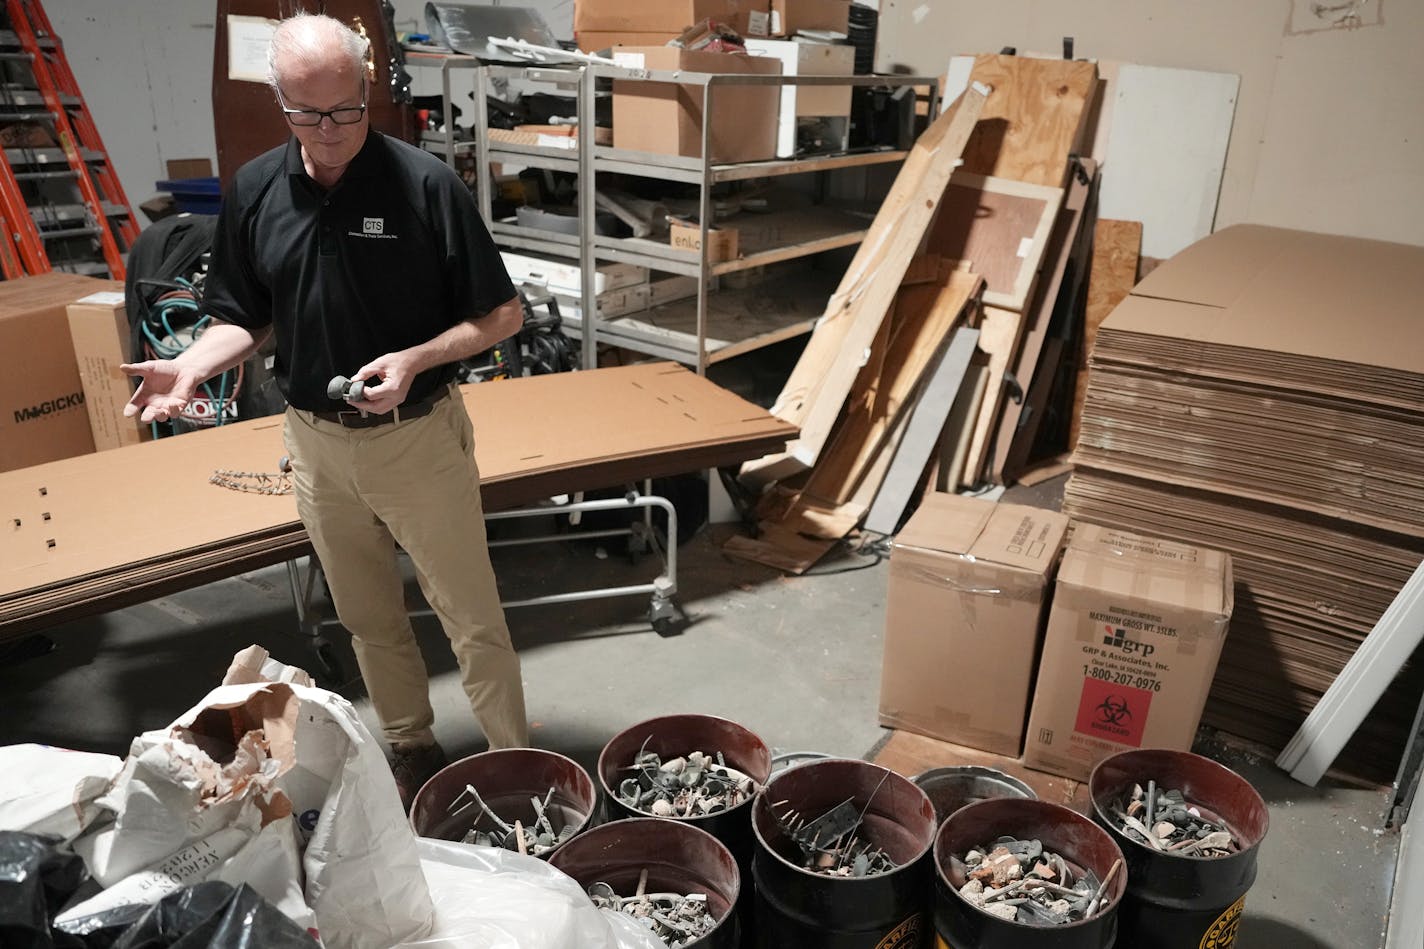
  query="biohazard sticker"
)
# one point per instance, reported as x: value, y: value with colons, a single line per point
x: 1115, y: 712
x: 1222, y: 934
x: 904, y: 936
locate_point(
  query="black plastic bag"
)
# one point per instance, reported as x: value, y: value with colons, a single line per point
x: 38, y: 874
x: 214, y: 915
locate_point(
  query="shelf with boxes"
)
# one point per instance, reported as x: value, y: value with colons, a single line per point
x: 662, y: 137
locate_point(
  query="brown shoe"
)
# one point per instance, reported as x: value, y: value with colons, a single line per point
x: 412, y: 766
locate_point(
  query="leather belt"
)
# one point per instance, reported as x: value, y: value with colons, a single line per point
x: 354, y: 418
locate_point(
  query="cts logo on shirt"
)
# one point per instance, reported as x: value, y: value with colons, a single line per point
x: 373, y: 228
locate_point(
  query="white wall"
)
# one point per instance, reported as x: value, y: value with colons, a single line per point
x: 1329, y: 130
x: 145, y: 70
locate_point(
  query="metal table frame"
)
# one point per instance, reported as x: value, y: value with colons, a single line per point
x: 665, y: 616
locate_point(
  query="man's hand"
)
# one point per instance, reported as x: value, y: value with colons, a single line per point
x: 165, y: 389
x: 388, y: 380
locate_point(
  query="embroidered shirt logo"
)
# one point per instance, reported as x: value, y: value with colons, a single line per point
x: 374, y: 228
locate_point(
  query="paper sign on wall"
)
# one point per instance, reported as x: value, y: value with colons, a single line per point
x: 248, y: 38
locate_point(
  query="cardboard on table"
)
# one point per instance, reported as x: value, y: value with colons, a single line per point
x: 666, y: 118
x: 42, y: 416
x: 968, y: 584
x: 789, y: 17
x: 99, y: 329
x: 1133, y: 639
x: 747, y: 17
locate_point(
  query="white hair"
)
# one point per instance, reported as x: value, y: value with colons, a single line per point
x: 313, y: 38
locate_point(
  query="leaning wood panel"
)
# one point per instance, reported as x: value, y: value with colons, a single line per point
x: 818, y: 385
x: 1001, y: 228
x: 1116, y: 245
x: 1032, y: 119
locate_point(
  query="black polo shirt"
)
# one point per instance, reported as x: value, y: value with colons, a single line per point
x: 392, y: 256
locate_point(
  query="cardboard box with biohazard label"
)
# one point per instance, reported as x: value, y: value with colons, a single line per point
x: 964, y: 613
x: 1133, y: 639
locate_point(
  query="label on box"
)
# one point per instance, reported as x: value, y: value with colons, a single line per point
x: 1112, y: 711
x: 758, y: 23
x: 630, y: 60
x: 556, y: 141
x: 103, y: 298
x: 775, y: 22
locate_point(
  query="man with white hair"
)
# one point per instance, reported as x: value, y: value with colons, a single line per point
x: 361, y: 252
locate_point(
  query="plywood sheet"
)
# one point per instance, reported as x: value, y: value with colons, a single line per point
x: 909, y: 754
x: 1116, y: 245
x: 1001, y: 228
x: 1166, y: 152
x: 1033, y: 118
x: 818, y: 385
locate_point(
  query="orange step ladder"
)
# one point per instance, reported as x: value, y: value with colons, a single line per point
x: 61, y: 201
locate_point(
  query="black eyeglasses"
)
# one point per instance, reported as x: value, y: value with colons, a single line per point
x: 347, y: 115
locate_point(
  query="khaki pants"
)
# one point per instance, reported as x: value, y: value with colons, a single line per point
x: 415, y: 483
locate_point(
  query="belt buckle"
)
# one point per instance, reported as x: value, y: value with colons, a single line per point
x: 341, y: 418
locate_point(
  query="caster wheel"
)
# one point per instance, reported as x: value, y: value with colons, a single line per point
x: 329, y: 664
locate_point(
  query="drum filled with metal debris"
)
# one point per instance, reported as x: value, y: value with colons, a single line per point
x: 1022, y: 874
x: 1190, y: 830
x: 681, y: 882
x: 842, y: 858
x: 698, y: 768
x: 522, y: 799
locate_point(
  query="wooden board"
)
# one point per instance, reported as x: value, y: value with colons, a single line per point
x: 1001, y: 228
x: 781, y: 548
x: 999, y: 339
x: 1166, y: 152
x: 959, y: 430
x: 943, y: 389
x: 817, y: 387
x: 1116, y: 245
x: 921, y: 329
x: 1069, y: 242
x: 1033, y: 118
x: 909, y: 754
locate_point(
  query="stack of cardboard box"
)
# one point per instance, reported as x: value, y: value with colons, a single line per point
x: 1133, y: 634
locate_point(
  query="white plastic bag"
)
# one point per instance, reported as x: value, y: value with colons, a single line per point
x: 486, y: 898
x: 52, y: 790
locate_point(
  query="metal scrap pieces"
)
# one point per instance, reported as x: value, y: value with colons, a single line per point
x: 829, y: 844
x: 1168, y: 823
x: 1020, y: 881
x: 689, y: 785
x: 677, y: 919
x: 539, y: 838
x: 253, y: 482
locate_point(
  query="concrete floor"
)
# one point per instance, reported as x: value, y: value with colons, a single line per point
x: 795, y: 659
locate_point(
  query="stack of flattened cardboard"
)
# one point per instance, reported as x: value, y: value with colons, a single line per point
x: 1263, y: 393
x: 96, y: 532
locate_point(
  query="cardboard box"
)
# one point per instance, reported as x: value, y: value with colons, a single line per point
x: 42, y: 416
x: 180, y: 168
x: 747, y: 17
x: 99, y: 329
x: 564, y: 276
x: 592, y: 41
x: 806, y: 59
x: 1133, y: 638
x: 666, y: 118
x: 789, y: 17
x: 721, y: 241
x: 963, y: 614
